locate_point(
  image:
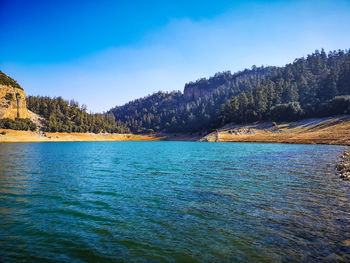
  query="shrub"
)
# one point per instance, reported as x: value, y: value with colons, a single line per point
x: 339, y: 105
x: 18, y: 124
x: 286, y: 112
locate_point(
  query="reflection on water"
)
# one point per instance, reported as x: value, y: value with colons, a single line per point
x: 172, y: 201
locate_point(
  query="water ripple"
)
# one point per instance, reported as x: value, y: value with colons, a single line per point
x: 172, y: 202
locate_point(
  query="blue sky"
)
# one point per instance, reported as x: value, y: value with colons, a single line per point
x: 105, y: 53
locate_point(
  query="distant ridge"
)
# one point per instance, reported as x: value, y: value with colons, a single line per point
x: 315, y: 86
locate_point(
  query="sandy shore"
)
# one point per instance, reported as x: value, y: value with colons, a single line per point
x: 334, y: 130
x: 28, y: 136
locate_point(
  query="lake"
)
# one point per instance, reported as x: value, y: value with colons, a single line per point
x: 172, y: 202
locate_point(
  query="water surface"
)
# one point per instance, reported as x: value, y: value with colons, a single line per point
x: 172, y: 202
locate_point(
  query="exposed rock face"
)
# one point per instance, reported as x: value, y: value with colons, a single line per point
x: 12, y: 103
x: 205, y: 87
x: 343, y: 166
x: 193, y: 92
x: 211, y: 137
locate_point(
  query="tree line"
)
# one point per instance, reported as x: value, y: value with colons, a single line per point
x: 18, y: 124
x: 67, y: 116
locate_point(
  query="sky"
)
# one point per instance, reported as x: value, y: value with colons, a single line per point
x: 106, y: 53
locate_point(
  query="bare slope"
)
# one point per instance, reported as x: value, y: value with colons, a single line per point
x: 331, y: 130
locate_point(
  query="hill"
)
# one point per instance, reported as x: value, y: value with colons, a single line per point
x: 47, y: 114
x: 13, y: 110
x: 8, y: 81
x: 68, y: 116
x: 12, y: 99
x: 315, y: 86
x: 196, y: 109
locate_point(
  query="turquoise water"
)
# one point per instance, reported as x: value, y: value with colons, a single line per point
x: 172, y: 202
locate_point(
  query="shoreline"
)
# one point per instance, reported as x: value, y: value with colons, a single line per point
x: 14, y: 136
x: 327, y: 131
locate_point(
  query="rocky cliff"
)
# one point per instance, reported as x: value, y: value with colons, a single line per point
x: 205, y: 87
x: 199, y: 89
x: 12, y: 102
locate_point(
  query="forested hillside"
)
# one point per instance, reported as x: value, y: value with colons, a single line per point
x: 64, y: 116
x: 194, y: 110
x: 314, y: 86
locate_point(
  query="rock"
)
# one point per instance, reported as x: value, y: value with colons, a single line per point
x: 345, y: 176
x: 346, y: 243
x: 13, y: 103
x: 343, y: 166
x: 205, y: 87
x: 193, y: 92
x: 211, y: 137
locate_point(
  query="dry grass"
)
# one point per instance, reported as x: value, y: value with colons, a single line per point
x: 330, y: 131
x: 27, y: 136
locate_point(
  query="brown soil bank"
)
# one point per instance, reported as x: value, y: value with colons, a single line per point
x: 28, y: 136
x: 332, y: 130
